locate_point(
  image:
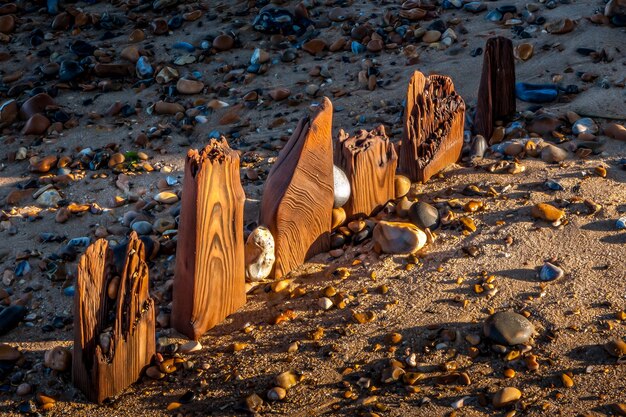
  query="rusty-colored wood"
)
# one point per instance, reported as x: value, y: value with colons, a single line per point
x: 209, y: 282
x: 298, y: 198
x: 433, y: 127
x: 369, y: 161
x: 114, y: 337
x: 496, y: 94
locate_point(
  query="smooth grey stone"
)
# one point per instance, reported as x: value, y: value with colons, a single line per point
x: 142, y: 227
x: 508, y: 328
x: 424, y: 215
x: 479, y: 147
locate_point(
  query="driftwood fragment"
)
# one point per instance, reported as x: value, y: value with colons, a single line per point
x: 298, y: 198
x: 209, y: 282
x: 369, y: 161
x: 114, y: 320
x: 432, y: 137
x: 496, y: 94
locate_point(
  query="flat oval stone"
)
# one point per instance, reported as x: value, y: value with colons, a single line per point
x: 424, y: 215
x: 506, y: 396
x: 9, y: 353
x: 259, y: 254
x: 223, y: 43
x: 166, y: 197
x: 508, y: 328
x: 398, y: 237
x: 547, y: 212
x: 553, y: 154
x: 585, y: 125
x: 185, y: 86
x: 402, y: 185
x: 142, y: 227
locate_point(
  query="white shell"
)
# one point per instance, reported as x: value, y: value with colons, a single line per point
x: 341, y: 187
x: 259, y: 252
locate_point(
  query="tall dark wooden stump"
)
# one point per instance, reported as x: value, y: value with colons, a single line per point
x: 209, y: 282
x: 496, y: 94
x: 433, y: 127
x: 113, y: 320
x: 298, y: 197
x: 369, y: 161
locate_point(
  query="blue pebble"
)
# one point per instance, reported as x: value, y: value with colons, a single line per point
x: 69, y: 291
x: 205, y: 45
x: 494, y: 16
x: 553, y: 185
x: 550, y: 272
x: 474, y: 6
x: 536, y: 93
x: 23, y: 268
x: 357, y: 48
x: 79, y: 241
x: 253, y: 68
x: 53, y: 6
x: 185, y: 46
x: 362, y: 119
x: 144, y: 69
x: 621, y: 223
x: 214, y: 134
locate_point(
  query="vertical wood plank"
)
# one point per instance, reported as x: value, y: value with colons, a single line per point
x: 209, y: 282
x: 298, y: 197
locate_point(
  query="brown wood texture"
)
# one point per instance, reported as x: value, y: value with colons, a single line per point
x: 434, y: 117
x: 209, y: 282
x: 127, y: 321
x: 298, y: 198
x: 369, y: 161
x: 496, y: 94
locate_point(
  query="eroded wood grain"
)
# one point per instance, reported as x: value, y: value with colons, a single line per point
x: 496, y: 94
x: 369, y: 161
x: 298, y: 199
x: 432, y: 137
x: 114, y: 338
x: 209, y: 282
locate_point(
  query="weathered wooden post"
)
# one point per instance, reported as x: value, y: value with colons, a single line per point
x: 209, y: 282
x: 433, y: 126
x: 496, y: 94
x: 369, y: 161
x: 113, y: 320
x: 298, y: 198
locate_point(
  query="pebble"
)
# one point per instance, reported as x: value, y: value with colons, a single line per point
x: 190, y: 347
x: 185, y: 86
x: 431, y: 36
x: 9, y: 353
x: 398, y: 238
x: 58, y: 358
x: 402, y: 186
x: 24, y: 389
x: 547, y: 212
x: 524, y: 51
x: 550, y: 272
x: 341, y: 187
x: 259, y: 254
x: 585, y: 125
x: 279, y: 94
x: 276, y: 394
x: 325, y: 303
x: 620, y: 224
x: 142, y: 227
x: 166, y: 197
x: 424, y: 216
x: 616, y: 347
x: 615, y: 131
x: 506, y: 396
x: 338, y: 217
x: 286, y: 380
x: 223, y: 42
x: 508, y: 328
